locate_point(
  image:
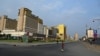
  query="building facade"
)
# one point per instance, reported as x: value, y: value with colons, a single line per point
x: 46, y: 31
x: 76, y: 38
x: 7, y: 23
x: 40, y: 27
x: 53, y: 32
x: 31, y: 24
x: 27, y: 22
x: 61, y: 31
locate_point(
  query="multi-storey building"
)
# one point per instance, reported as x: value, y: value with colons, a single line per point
x: 61, y: 31
x: 53, y: 32
x: 7, y: 23
x: 40, y: 28
x: 46, y: 31
x: 27, y: 22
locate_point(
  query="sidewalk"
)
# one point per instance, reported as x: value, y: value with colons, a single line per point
x: 27, y: 44
x: 92, y: 47
x: 30, y: 44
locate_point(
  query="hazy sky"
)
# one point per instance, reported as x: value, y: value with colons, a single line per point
x: 75, y: 14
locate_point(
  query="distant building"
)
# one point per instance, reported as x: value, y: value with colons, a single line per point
x: 76, y: 37
x: 40, y: 28
x: 61, y: 31
x: 53, y: 32
x: 71, y: 38
x: 50, y: 32
x: 68, y: 37
x: 27, y: 22
x: 7, y: 23
x: 13, y: 33
x: 46, y: 31
x: 31, y: 25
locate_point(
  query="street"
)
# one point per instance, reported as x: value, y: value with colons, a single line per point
x: 70, y: 49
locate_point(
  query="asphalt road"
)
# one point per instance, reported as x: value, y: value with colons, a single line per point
x: 71, y: 49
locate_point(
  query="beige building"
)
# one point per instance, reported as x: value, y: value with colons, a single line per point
x: 40, y: 26
x: 7, y: 23
x: 76, y: 37
x: 27, y: 22
x: 46, y: 31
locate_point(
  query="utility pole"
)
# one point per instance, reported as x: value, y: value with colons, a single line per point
x: 86, y: 30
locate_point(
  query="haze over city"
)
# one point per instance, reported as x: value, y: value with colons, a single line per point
x: 75, y: 14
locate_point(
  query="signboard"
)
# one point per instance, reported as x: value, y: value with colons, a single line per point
x: 90, y: 34
x: 95, y: 33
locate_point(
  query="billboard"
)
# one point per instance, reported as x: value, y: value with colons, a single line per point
x: 95, y: 33
x: 90, y: 34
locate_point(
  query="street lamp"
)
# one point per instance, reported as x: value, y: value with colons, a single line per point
x: 94, y: 20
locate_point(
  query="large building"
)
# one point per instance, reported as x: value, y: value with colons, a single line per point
x: 32, y: 25
x: 61, y: 31
x: 53, y: 32
x: 27, y: 22
x: 40, y: 27
x: 46, y: 32
x: 7, y: 23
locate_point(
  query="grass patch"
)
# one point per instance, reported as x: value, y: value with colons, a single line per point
x: 10, y: 41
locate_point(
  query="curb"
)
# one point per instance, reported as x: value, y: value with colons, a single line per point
x: 25, y: 44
